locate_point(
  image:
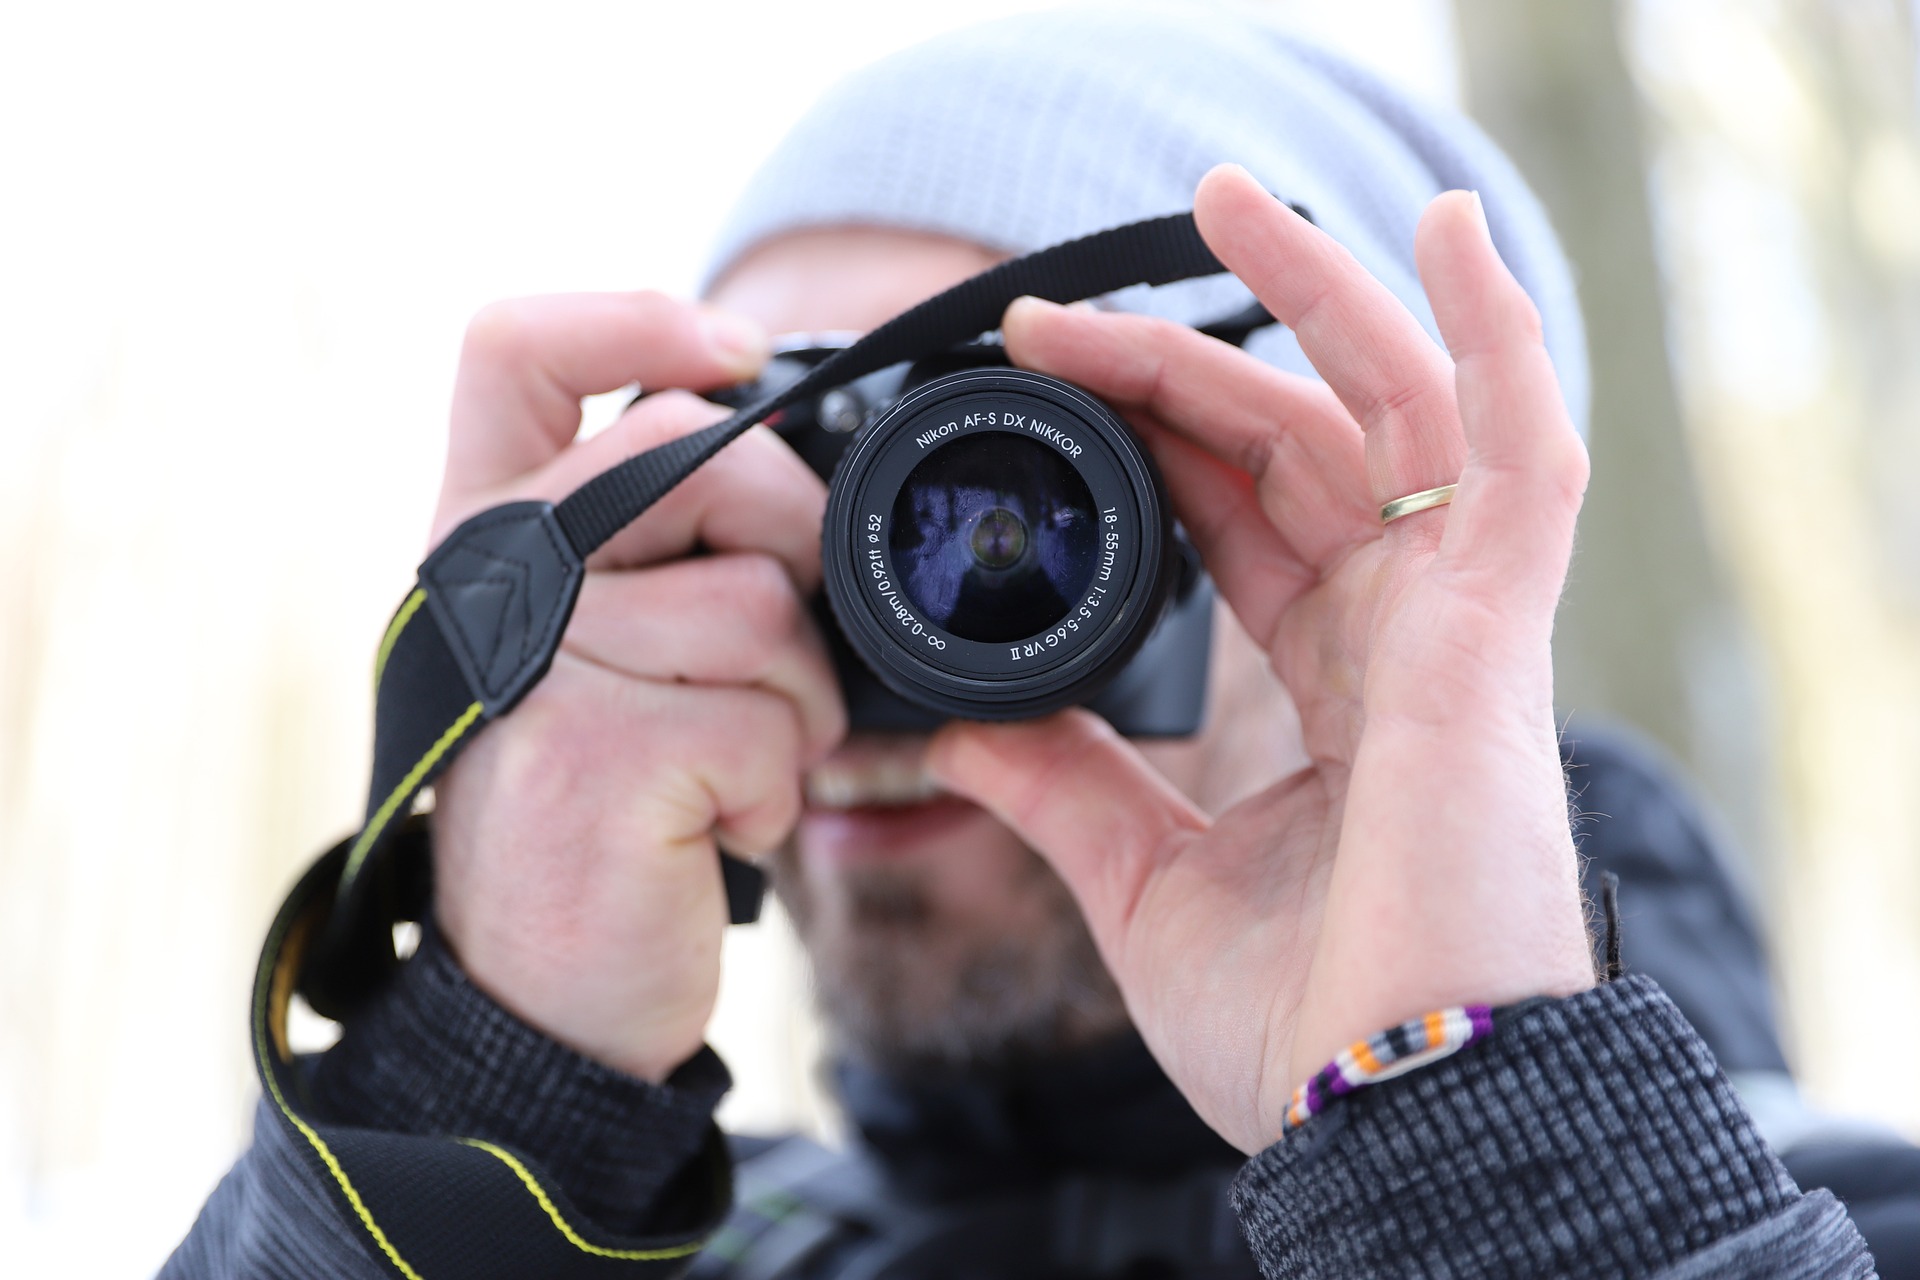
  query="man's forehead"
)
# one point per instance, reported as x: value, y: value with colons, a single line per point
x: 848, y: 278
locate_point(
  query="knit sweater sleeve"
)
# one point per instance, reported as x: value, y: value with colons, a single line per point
x: 433, y: 1055
x: 1588, y: 1136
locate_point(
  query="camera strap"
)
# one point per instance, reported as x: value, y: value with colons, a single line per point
x: 480, y: 629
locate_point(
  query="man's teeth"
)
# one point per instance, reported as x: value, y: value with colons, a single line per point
x: 853, y: 786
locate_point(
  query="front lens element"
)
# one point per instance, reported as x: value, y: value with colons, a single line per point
x: 999, y: 539
x: 994, y: 537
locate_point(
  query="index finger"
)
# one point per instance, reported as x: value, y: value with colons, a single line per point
x: 526, y: 364
x: 1390, y: 375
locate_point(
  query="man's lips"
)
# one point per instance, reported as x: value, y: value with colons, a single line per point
x: 883, y: 833
x: 873, y: 800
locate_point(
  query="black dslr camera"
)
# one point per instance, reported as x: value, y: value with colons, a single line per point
x: 997, y: 545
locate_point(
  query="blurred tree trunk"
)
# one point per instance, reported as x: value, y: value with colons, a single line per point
x: 1787, y: 142
x: 1649, y: 632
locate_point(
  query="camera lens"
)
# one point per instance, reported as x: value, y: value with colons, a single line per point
x: 993, y: 536
x: 997, y: 545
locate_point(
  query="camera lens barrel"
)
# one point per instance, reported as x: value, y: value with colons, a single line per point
x: 997, y: 545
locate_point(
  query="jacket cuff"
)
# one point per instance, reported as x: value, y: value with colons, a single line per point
x: 1591, y: 1134
x: 434, y: 1055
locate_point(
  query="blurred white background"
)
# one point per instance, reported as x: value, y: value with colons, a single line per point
x: 238, y: 246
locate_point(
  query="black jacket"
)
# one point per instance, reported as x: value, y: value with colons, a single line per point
x: 1589, y: 1136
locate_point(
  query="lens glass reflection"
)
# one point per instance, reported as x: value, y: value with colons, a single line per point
x: 994, y: 537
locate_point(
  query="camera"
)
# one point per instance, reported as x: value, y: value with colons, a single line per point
x: 997, y: 545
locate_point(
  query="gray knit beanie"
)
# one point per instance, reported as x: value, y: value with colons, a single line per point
x: 1023, y: 132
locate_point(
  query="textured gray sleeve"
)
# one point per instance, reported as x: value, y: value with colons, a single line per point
x: 1814, y: 1238
x: 433, y: 1055
x: 1589, y: 1136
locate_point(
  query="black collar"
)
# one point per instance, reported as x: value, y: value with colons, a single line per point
x: 1106, y: 1110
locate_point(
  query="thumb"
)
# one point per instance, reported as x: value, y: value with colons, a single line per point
x: 1080, y: 794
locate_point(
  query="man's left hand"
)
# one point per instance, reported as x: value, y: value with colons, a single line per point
x: 1423, y: 859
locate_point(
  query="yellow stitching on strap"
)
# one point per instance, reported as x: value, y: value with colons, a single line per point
x: 353, y: 1196
x: 262, y: 985
x: 573, y: 1237
x: 403, y: 789
x: 394, y: 628
x: 265, y: 985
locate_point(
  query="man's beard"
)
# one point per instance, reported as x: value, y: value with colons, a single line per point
x: 903, y: 986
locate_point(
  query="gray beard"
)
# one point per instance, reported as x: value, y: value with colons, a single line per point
x: 902, y: 988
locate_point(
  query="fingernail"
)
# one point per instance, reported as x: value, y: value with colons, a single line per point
x: 1480, y: 211
x: 738, y: 341
x: 1028, y: 305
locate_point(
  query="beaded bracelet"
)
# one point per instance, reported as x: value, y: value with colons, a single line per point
x: 1391, y: 1053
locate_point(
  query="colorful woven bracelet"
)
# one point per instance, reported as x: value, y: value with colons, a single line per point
x: 1393, y: 1052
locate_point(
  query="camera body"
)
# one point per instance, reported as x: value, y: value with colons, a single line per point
x: 997, y: 545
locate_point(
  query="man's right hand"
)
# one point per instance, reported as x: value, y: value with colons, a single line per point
x: 574, y: 851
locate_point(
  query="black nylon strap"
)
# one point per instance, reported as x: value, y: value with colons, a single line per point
x: 1155, y: 252
x: 423, y: 713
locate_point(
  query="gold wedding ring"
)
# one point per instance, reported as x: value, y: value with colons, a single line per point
x: 1417, y: 502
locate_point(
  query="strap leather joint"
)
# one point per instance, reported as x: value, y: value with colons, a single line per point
x: 501, y: 588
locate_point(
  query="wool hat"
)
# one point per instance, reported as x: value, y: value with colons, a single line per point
x: 1026, y: 131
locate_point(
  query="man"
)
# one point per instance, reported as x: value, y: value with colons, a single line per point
x: 1373, y: 828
